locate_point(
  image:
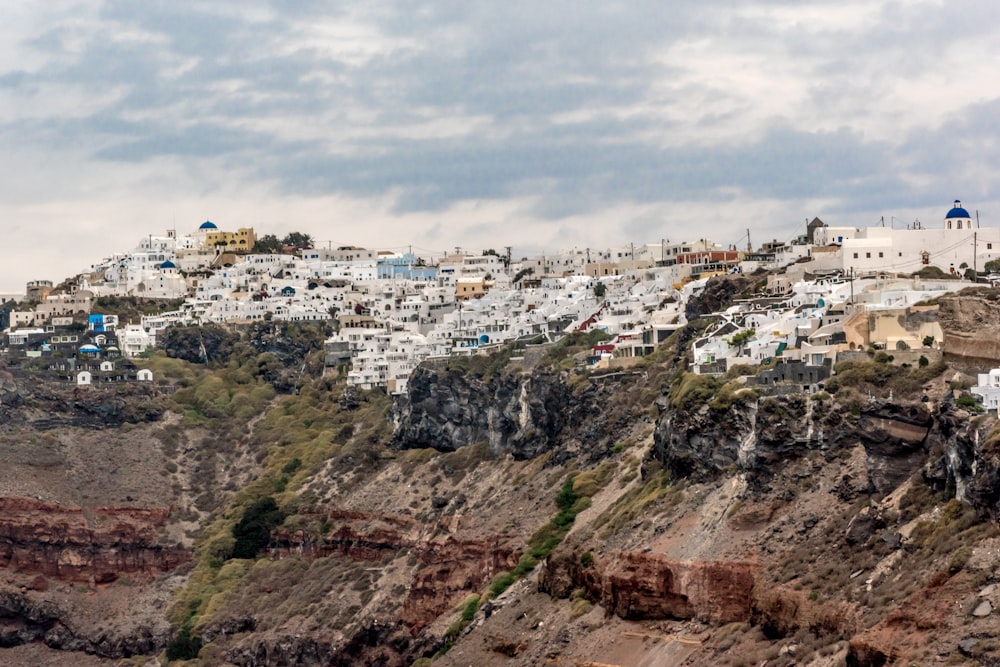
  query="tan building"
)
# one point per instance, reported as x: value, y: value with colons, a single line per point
x: 470, y: 288
x: 895, y: 329
x: 241, y: 241
x: 38, y: 290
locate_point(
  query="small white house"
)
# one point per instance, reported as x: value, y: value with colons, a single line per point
x: 107, y: 366
x: 144, y: 375
x: 989, y: 388
x: 83, y: 378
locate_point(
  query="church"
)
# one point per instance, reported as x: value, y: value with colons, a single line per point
x: 956, y: 244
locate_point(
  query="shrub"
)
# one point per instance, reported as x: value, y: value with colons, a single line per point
x: 253, y: 531
x: 183, y: 646
x: 969, y: 402
x: 691, y: 391
x: 501, y: 582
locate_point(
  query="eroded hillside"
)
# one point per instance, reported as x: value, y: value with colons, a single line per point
x: 511, y: 510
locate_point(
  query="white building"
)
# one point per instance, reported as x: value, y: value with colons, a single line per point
x: 957, y: 244
x: 989, y: 388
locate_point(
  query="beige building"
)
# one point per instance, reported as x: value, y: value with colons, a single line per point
x: 893, y: 329
x: 470, y: 288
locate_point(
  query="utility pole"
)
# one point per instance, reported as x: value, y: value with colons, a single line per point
x: 507, y: 268
x: 975, y: 252
x: 749, y: 245
x: 852, y: 288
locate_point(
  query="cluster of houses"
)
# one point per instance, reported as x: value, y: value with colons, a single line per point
x: 838, y: 293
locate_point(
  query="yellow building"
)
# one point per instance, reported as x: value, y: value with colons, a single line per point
x: 240, y: 241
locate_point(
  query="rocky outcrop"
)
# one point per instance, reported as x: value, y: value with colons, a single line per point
x: 523, y: 415
x: 646, y: 586
x: 515, y: 414
x: 25, y: 619
x: 449, y: 566
x: 44, y: 405
x: 377, y: 642
x: 967, y: 459
x: 755, y: 435
x: 720, y: 292
x: 81, y: 544
x: 971, y: 326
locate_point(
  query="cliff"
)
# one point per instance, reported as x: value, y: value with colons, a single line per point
x: 502, y: 516
x: 77, y: 544
x: 971, y: 324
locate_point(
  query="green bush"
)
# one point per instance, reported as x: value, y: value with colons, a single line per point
x: 253, y: 531
x: 183, y: 646
x: 292, y: 466
x: 969, y: 402
x: 690, y: 391
x: 501, y: 582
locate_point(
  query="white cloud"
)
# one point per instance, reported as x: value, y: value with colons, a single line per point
x: 541, y: 123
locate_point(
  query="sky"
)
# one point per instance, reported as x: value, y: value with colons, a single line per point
x: 538, y: 125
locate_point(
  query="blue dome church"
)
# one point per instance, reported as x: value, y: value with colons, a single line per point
x: 957, y: 217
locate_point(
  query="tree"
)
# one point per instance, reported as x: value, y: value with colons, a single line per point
x: 740, y: 339
x: 992, y: 266
x: 253, y: 531
x: 267, y: 244
x: 599, y: 290
x: 298, y: 240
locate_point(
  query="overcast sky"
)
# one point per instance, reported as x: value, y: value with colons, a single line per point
x: 539, y: 125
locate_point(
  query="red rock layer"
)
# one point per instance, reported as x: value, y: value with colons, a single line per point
x: 84, y: 544
x: 640, y: 586
x: 450, y: 564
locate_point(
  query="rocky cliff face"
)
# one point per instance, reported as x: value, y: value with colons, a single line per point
x: 44, y: 405
x: 645, y: 586
x: 518, y: 415
x: 966, y: 458
x: 755, y: 436
x: 787, y: 520
x: 450, y: 559
x: 48, y: 551
x: 971, y: 324
x: 523, y: 415
x: 90, y: 545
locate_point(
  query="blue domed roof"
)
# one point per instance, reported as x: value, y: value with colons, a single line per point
x: 168, y: 265
x: 957, y: 211
x: 208, y: 224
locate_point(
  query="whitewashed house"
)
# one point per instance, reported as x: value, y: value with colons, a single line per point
x: 989, y: 388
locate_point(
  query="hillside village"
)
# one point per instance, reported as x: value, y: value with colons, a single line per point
x: 830, y: 293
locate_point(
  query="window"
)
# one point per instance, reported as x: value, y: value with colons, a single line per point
x: 880, y: 255
x: 959, y: 224
x: 989, y: 246
x: 949, y: 224
x: 855, y: 255
x: 868, y: 255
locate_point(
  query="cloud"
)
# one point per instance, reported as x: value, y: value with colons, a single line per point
x: 545, y: 116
